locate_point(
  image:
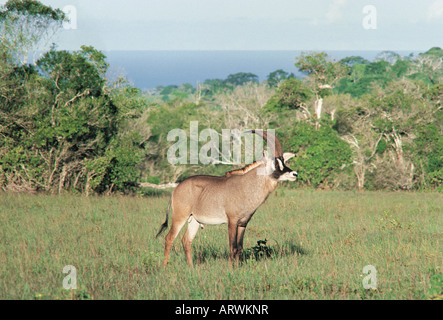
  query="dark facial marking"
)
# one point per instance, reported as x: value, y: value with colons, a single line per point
x: 278, y: 172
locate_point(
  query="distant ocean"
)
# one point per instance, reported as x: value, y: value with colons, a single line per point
x: 149, y: 69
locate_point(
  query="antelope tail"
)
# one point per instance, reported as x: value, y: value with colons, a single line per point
x: 165, y: 224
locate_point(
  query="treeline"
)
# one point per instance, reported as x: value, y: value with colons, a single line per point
x: 353, y: 123
x: 215, y: 86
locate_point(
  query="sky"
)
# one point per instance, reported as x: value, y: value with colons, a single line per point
x: 252, y: 24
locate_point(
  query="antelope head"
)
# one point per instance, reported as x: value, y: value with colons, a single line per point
x: 275, y: 160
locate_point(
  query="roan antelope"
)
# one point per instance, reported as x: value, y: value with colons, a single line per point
x: 232, y: 198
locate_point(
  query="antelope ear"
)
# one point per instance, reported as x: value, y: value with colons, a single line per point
x: 288, y: 155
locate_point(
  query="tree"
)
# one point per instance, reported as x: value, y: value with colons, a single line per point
x: 389, y: 56
x: 365, y: 75
x: 61, y: 129
x: 320, y: 154
x: 243, y: 106
x: 240, y: 78
x: 73, y: 73
x: 323, y: 74
x: 380, y: 68
x: 211, y: 86
x: 434, y: 51
x: 429, y: 154
x: 353, y: 60
x: 276, y: 77
x: 291, y: 94
x: 429, y: 67
x: 27, y: 26
x: 382, y: 130
x: 355, y: 126
x: 401, y: 68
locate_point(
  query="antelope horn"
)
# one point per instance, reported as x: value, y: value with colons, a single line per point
x: 273, y: 141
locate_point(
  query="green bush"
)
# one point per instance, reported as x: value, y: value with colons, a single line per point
x: 320, y: 154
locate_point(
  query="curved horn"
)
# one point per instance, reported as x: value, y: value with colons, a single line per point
x: 275, y: 143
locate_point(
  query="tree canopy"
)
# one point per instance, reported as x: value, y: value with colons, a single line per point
x: 27, y: 27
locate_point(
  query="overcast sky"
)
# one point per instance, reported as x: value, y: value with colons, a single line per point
x: 254, y: 24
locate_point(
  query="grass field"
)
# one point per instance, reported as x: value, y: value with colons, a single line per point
x: 317, y: 245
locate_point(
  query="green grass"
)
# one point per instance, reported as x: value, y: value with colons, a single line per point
x: 317, y: 244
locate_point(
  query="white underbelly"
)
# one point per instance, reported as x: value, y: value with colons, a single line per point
x: 215, y: 219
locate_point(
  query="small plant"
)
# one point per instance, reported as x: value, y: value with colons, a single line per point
x: 259, y: 251
x: 389, y: 222
x: 83, y: 295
